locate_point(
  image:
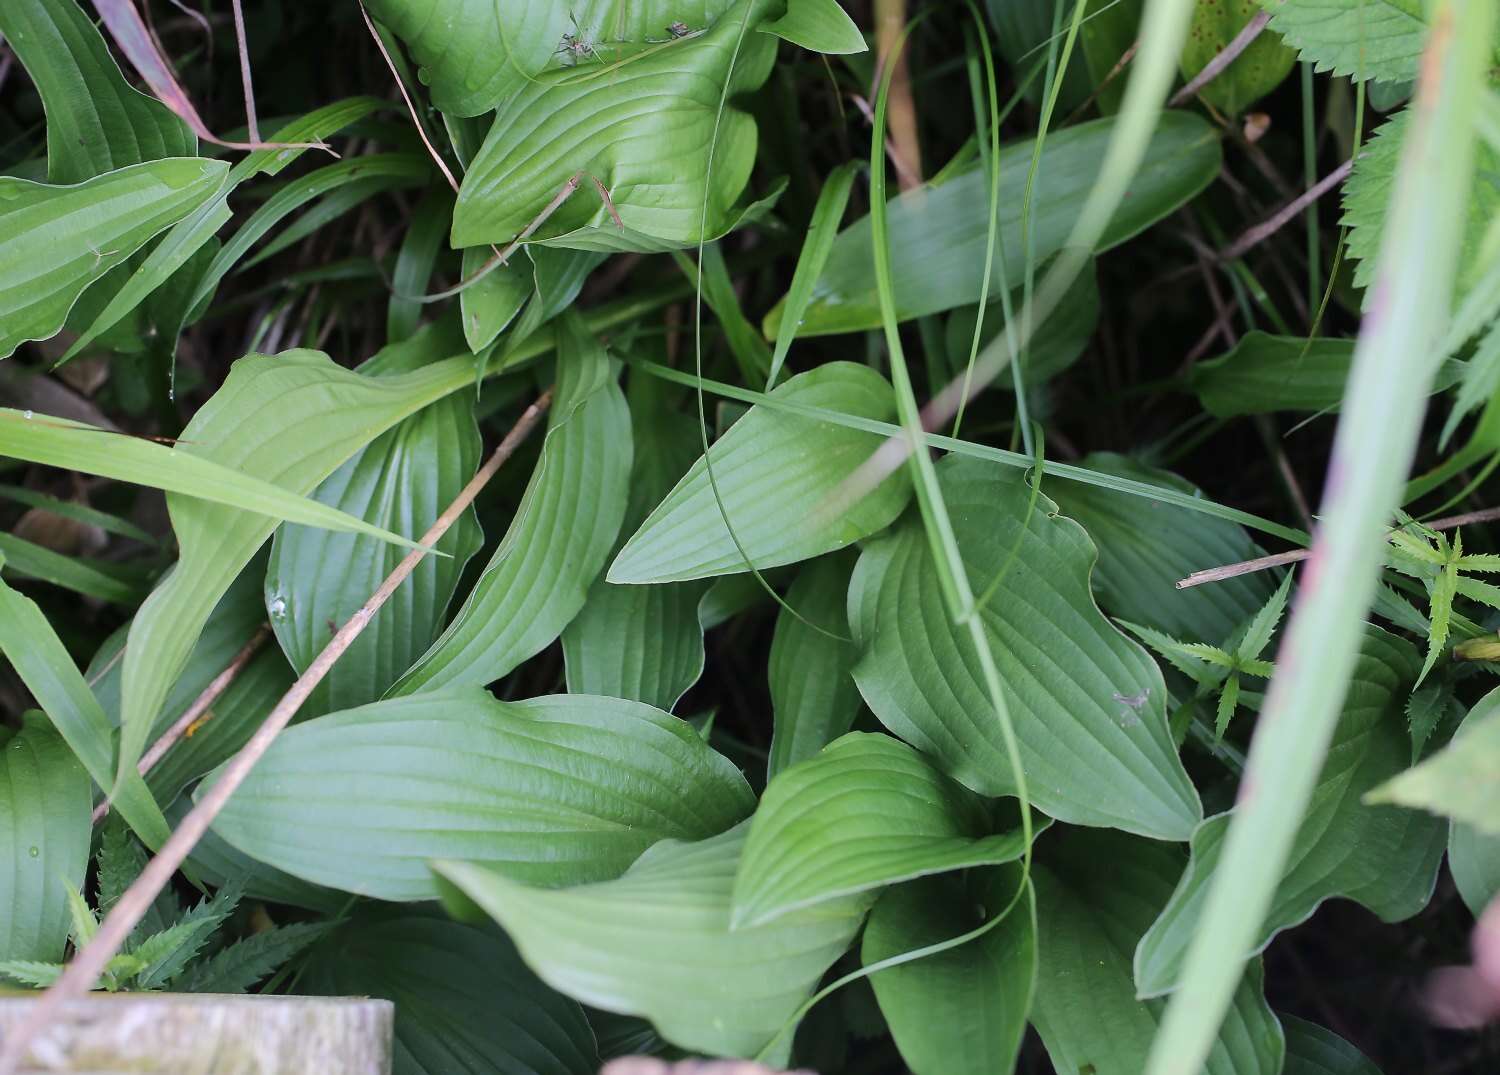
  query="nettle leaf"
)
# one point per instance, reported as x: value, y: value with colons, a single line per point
x: 1146, y: 546
x: 777, y: 476
x: 96, y: 121
x: 560, y: 537
x: 865, y: 812
x: 642, y: 642
x: 1314, y: 1050
x: 1381, y: 857
x: 553, y: 791
x: 1096, y: 893
x: 657, y: 943
x: 464, y: 1000
x: 644, y: 128
x: 57, y: 240
x: 290, y: 419
x: 317, y: 579
x: 238, y: 967
x: 813, y: 696
x: 45, y: 801
x: 1087, y: 702
x: 1459, y: 780
x: 963, y: 1011
x: 1364, y: 39
x: 1254, y: 73
x: 942, y: 231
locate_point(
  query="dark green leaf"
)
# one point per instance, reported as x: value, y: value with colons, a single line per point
x: 1312, y: 1050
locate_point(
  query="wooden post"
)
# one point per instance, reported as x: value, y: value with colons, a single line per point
x: 207, y: 1034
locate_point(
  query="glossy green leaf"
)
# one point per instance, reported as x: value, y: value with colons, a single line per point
x: 819, y: 25
x: 1088, y: 703
x: 552, y: 791
x: 1379, y: 39
x: 1146, y: 547
x: 568, y: 520
x: 865, y: 812
x: 464, y: 1000
x: 96, y: 121
x: 401, y: 482
x: 657, y: 943
x: 44, y: 839
x: 290, y: 419
x: 57, y: 240
x: 1313, y: 1050
x: 1096, y: 894
x: 813, y: 696
x: 1255, y: 72
x: 963, y: 1011
x: 777, y: 476
x: 1382, y: 857
x: 642, y: 127
x: 1458, y: 781
x: 940, y: 233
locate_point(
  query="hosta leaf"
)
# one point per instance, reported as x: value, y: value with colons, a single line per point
x: 1258, y: 70
x: 813, y: 696
x: 1381, y: 857
x: 216, y: 862
x: 290, y: 419
x: 1313, y: 1050
x: 1087, y: 702
x: 1458, y: 781
x: 940, y: 232
x: 1379, y: 39
x: 819, y: 25
x: 554, y: 791
x: 1145, y: 547
x: 96, y: 121
x: 643, y: 127
x: 1474, y: 861
x: 492, y: 301
x: 657, y: 942
x: 316, y: 580
x: 44, y: 839
x: 55, y: 241
x: 865, y: 812
x: 464, y: 1000
x: 963, y: 1011
x: 777, y: 476
x: 1096, y: 893
x: 568, y: 520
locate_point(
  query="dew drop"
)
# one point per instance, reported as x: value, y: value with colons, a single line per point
x: 277, y: 607
x: 26, y: 415
x: 35, y: 852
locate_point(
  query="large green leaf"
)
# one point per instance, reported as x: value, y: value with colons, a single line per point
x: 1312, y: 1050
x: 1381, y: 857
x: 553, y: 791
x: 1096, y: 893
x: 44, y: 839
x: 657, y: 942
x: 642, y: 642
x: 568, y: 520
x: 1379, y: 39
x: 57, y: 240
x: 776, y: 475
x: 938, y: 234
x: 644, y: 127
x: 1460, y: 780
x: 1087, y: 702
x: 865, y: 812
x: 217, y: 862
x: 96, y: 121
x: 464, y: 1000
x: 1146, y: 546
x: 813, y: 696
x: 290, y: 419
x: 963, y: 1011
x: 401, y: 482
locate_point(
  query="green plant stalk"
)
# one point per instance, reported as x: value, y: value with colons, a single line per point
x: 1372, y: 453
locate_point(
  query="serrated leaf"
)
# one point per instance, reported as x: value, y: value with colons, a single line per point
x: 1425, y: 709
x: 555, y: 791
x: 777, y: 475
x: 1229, y: 697
x: 1087, y: 702
x: 1481, y: 379
x: 1263, y: 624
x: 239, y: 966
x: 1314, y: 1050
x: 1096, y: 894
x: 942, y: 238
x: 57, y: 240
x: 813, y: 696
x: 165, y: 955
x: 1255, y: 72
x: 1385, y: 859
x: 45, y: 802
x: 1459, y: 780
x: 30, y: 972
x: 96, y: 121
x: 560, y: 537
x: 657, y: 942
x: 963, y: 1011
x: 464, y: 999
x: 1364, y: 39
x: 865, y: 812
x: 290, y: 419
x: 1440, y: 615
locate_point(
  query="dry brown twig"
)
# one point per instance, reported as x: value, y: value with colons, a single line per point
x: 1215, y: 67
x: 89, y: 962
